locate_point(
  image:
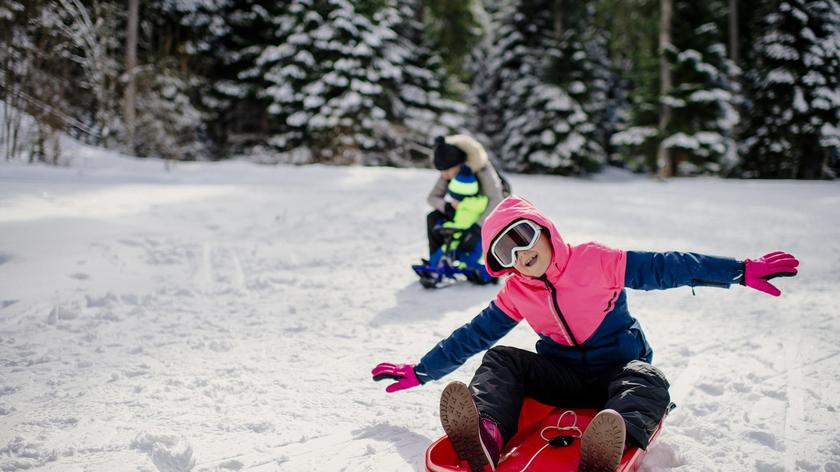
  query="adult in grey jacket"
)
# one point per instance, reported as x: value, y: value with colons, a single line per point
x: 450, y: 153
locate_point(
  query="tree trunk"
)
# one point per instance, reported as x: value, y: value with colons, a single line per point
x: 559, y: 10
x: 813, y: 160
x: 130, y: 67
x: 734, y: 47
x: 733, y: 31
x: 663, y: 161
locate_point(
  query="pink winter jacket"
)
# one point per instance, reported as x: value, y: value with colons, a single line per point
x: 579, y: 288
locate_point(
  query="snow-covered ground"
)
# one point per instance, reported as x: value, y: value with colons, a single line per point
x: 225, y: 316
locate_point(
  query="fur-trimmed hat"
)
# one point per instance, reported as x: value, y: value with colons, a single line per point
x: 447, y: 156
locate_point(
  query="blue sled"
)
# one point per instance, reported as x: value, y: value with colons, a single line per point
x: 445, y: 268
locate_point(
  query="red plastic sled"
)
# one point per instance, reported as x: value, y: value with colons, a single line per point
x: 441, y: 457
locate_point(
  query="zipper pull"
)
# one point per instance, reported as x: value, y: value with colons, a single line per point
x: 544, y: 278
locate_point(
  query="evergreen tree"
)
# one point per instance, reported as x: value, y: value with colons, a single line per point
x: 533, y: 124
x: 170, y: 121
x: 794, y: 84
x: 703, y: 116
x: 633, y: 43
x: 227, y: 37
x: 422, y: 107
x: 346, y: 86
x: 169, y: 124
x: 454, y: 31
x: 583, y: 68
x: 698, y: 136
x: 328, y: 75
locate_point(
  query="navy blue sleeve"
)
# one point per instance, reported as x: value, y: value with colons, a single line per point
x: 661, y: 270
x: 478, y: 335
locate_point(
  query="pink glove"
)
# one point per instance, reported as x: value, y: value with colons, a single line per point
x: 757, y: 272
x: 402, y: 373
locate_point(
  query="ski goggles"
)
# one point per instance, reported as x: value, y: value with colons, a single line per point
x: 520, y: 236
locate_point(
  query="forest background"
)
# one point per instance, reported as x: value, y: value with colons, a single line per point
x: 734, y: 88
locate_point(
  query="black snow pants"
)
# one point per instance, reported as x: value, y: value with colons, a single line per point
x: 636, y: 390
x: 435, y: 241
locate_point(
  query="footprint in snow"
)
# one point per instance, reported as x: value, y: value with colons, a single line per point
x: 64, y: 311
x: 168, y: 453
x: 765, y: 438
x: 711, y: 389
x: 232, y: 464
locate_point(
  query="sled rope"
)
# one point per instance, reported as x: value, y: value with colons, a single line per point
x: 560, y: 429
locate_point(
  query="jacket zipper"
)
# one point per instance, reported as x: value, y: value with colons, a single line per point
x: 708, y: 283
x: 553, y: 292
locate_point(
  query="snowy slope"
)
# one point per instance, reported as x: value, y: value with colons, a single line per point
x: 226, y: 316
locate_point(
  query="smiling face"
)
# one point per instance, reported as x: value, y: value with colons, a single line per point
x: 534, y: 262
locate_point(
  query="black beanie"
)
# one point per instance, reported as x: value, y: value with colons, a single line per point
x: 447, y: 156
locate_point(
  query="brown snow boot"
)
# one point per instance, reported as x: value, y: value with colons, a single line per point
x: 602, y: 444
x: 473, y: 442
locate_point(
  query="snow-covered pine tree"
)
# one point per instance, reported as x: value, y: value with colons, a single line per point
x: 634, y: 46
x: 704, y: 92
x: 484, y: 92
x: 331, y: 85
x: 423, y: 109
x: 534, y: 125
x: 169, y: 124
x: 794, y: 86
x: 453, y: 29
x: 583, y: 68
x: 227, y: 37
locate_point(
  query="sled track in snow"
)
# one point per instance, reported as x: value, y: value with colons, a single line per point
x: 219, y: 269
x: 795, y: 406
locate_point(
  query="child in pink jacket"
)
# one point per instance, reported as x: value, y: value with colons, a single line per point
x: 591, y: 351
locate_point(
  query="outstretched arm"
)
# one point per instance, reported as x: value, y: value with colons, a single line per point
x: 661, y: 270
x: 478, y: 335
